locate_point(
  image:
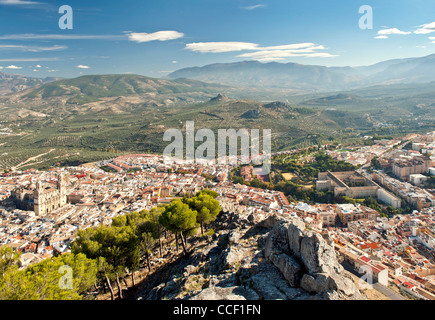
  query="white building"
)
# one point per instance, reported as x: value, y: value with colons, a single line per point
x: 417, y: 179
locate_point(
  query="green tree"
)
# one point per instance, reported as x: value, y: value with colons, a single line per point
x: 210, y: 193
x: 207, y: 209
x: 64, y: 277
x: 117, y: 245
x: 147, y: 243
x: 179, y: 219
x: 157, y: 228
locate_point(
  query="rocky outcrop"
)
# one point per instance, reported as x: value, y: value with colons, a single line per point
x: 307, y: 260
x: 276, y: 259
x: 220, y: 97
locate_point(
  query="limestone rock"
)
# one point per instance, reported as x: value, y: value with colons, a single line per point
x: 317, y: 255
x: 233, y: 237
x: 289, y: 267
x: 295, y: 236
x: 228, y: 293
x: 307, y: 260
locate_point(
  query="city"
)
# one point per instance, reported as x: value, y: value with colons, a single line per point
x: 41, y: 212
x: 217, y: 158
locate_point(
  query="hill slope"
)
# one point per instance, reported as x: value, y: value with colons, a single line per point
x: 106, y: 94
x: 14, y: 83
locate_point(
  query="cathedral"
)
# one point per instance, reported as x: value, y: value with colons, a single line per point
x: 41, y: 199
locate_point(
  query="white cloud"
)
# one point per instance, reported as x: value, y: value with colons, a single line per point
x: 432, y: 39
x: 156, y: 36
x: 132, y: 36
x: 13, y: 67
x: 219, y: 47
x: 257, y: 6
x: 34, y: 36
x: 31, y: 48
x: 38, y: 66
x: 19, y: 2
x: 29, y: 59
x: 426, y: 28
x: 80, y: 66
x: 295, y: 46
x: 277, y: 55
x: 271, y: 53
x: 381, y: 37
x: 386, y: 32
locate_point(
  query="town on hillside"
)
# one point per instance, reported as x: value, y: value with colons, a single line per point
x: 41, y: 212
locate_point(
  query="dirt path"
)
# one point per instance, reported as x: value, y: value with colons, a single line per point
x: 30, y: 159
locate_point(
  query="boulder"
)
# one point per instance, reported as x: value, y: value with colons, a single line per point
x: 317, y: 255
x: 277, y: 241
x: 233, y: 237
x: 295, y: 235
x: 289, y: 267
x: 308, y: 261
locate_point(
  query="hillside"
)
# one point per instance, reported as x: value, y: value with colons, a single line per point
x: 94, y: 117
x: 10, y: 83
x: 275, y: 259
x: 105, y: 94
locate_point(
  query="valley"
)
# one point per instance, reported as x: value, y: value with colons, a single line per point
x: 93, y: 118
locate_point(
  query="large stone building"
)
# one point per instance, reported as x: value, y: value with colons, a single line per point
x: 43, y: 199
x: 353, y: 185
x: 350, y: 184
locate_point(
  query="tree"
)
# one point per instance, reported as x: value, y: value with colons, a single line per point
x: 117, y: 245
x: 210, y: 193
x: 8, y: 259
x: 147, y: 243
x: 157, y: 228
x: 64, y: 277
x: 375, y: 163
x: 207, y: 208
x: 179, y: 219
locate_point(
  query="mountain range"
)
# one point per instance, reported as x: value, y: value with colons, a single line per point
x: 297, y: 78
x: 312, y: 78
x: 88, y: 115
x: 15, y: 82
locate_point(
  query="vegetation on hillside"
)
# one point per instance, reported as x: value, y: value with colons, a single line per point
x: 102, y: 256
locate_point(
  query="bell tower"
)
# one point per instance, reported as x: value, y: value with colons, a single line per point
x: 61, y: 183
x: 37, y: 198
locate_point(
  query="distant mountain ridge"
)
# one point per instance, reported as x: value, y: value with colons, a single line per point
x: 312, y: 77
x: 14, y: 82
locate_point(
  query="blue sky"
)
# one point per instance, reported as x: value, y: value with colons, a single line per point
x: 155, y: 37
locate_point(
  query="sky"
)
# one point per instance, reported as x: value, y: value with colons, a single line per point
x: 156, y: 37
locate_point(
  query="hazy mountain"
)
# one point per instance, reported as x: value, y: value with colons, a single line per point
x: 15, y: 83
x: 273, y: 75
x: 408, y: 71
x: 311, y: 77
